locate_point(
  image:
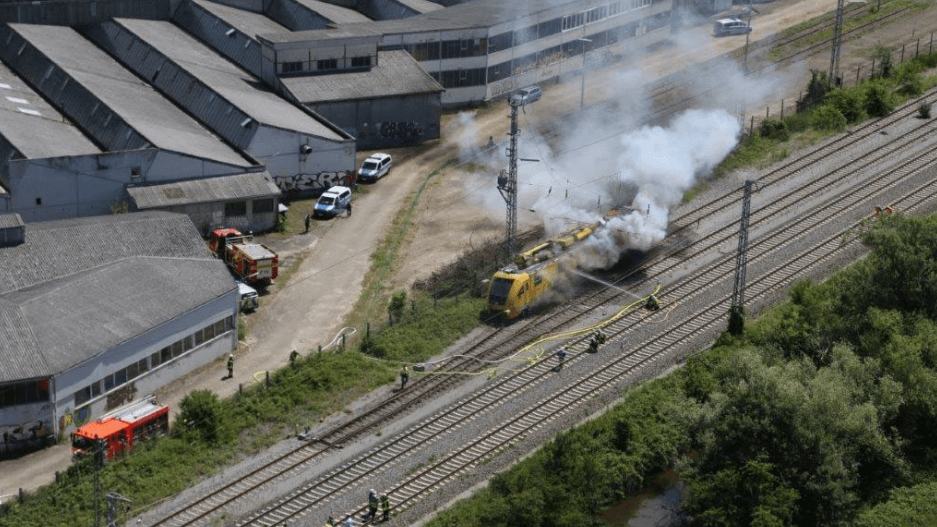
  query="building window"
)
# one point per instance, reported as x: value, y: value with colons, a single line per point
x: 83, y: 395
x: 573, y: 21
x: 327, y: 64
x: 361, y: 62
x: 263, y: 206
x: 236, y: 208
x: 165, y: 354
x: 291, y: 67
x: 24, y: 393
x: 108, y: 383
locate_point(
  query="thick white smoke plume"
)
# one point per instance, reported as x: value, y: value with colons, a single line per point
x: 601, y: 160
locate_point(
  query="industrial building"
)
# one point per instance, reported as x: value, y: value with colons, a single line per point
x: 486, y: 49
x: 95, y: 312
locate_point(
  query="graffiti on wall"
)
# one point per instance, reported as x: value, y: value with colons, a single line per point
x: 121, y: 396
x: 15, y: 436
x: 400, y: 129
x: 313, y: 182
x: 77, y: 418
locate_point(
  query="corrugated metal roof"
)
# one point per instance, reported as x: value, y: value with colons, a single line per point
x: 477, y: 14
x: 252, y: 24
x: 396, y: 74
x: 206, y: 190
x: 97, y: 310
x: 19, y: 351
x: 150, y: 114
x: 102, y: 280
x: 57, y: 249
x: 335, y: 13
x: 10, y: 221
x: 32, y: 126
x: 421, y: 6
x: 30, y: 51
x: 234, y: 84
x: 231, y: 34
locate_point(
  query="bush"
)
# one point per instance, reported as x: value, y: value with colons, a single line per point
x: 774, y: 129
x: 911, y: 85
x: 828, y: 118
x: 397, y: 303
x: 798, y: 122
x: 923, y: 111
x: 879, y: 99
x: 850, y: 103
x: 201, y: 415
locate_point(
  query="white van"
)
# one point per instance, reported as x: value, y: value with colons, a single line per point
x: 731, y: 26
x: 332, y: 202
x: 374, y: 167
x: 247, y: 296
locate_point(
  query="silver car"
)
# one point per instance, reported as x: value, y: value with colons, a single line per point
x: 526, y: 96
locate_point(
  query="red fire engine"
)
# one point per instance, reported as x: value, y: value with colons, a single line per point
x: 121, y: 428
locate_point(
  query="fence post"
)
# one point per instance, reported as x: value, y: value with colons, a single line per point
x: 343, y: 342
x: 751, y: 127
x: 931, y: 49
x: 873, y: 67
x: 267, y: 378
x: 917, y: 47
x: 858, y: 67
x: 767, y: 110
x: 782, y: 109
x: 902, y: 55
x: 320, y: 348
x: 240, y: 388
x: 367, y: 332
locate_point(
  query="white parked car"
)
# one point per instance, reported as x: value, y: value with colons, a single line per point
x: 526, y: 96
x: 731, y: 26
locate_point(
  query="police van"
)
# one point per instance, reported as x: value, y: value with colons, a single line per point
x: 332, y: 202
x: 375, y: 167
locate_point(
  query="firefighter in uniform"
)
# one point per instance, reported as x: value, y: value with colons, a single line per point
x: 404, y: 377
x: 372, y: 505
x: 385, y: 506
x: 230, y: 365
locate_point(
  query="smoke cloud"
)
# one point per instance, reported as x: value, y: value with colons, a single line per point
x: 604, y: 159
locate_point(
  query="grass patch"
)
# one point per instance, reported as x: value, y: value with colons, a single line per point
x: 371, y: 305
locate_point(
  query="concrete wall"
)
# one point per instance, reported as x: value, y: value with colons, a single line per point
x: 209, y: 216
x: 389, y: 122
x: 68, y: 417
x: 328, y: 163
x: 91, y: 185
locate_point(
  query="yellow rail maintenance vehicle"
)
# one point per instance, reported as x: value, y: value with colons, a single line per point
x: 517, y: 286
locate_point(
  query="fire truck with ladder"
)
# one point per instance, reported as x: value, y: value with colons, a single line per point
x: 250, y: 260
x: 122, y: 428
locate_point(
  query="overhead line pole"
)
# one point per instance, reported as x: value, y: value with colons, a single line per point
x: 507, y: 185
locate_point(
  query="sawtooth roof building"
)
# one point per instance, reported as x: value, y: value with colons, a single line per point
x: 97, y: 311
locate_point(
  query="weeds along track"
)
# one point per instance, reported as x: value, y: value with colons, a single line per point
x: 782, y: 254
x: 496, y: 344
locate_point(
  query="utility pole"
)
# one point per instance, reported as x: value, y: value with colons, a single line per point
x: 737, y: 310
x: 112, y: 499
x: 837, y: 37
x: 507, y: 184
x: 99, y: 456
x: 748, y: 34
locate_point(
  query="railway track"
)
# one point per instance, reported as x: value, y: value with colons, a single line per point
x: 498, y: 343
x: 713, y: 283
